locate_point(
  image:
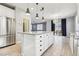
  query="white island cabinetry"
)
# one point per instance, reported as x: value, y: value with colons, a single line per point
x: 36, y: 43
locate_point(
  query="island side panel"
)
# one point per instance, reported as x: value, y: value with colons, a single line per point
x: 28, y: 45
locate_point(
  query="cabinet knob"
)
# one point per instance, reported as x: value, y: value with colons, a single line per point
x: 40, y: 40
x: 40, y: 45
x: 40, y: 49
x: 40, y: 36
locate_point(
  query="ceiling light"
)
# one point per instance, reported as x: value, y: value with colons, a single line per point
x: 27, y: 11
x: 37, y: 16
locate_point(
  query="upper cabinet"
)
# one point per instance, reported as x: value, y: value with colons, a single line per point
x: 5, y: 11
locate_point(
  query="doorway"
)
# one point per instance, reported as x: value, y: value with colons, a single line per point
x: 63, y: 27
x: 52, y: 26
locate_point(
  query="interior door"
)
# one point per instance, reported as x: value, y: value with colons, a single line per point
x: 52, y: 26
x: 63, y: 27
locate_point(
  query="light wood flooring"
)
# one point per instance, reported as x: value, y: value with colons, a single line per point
x: 13, y: 50
x: 55, y: 50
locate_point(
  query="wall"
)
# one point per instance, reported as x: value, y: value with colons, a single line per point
x: 77, y: 24
x: 70, y: 24
x: 77, y: 20
x: 48, y: 25
x: 19, y: 22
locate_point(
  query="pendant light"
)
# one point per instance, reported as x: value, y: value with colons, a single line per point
x: 36, y: 3
x: 42, y: 18
x: 37, y: 17
x: 27, y: 11
x: 42, y: 9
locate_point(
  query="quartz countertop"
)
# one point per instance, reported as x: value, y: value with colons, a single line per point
x: 35, y: 32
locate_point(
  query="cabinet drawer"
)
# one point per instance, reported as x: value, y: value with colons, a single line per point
x: 39, y: 36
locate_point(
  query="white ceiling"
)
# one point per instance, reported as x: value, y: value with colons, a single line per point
x: 52, y: 10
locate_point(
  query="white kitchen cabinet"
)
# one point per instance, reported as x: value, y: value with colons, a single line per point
x: 28, y: 45
x: 35, y: 44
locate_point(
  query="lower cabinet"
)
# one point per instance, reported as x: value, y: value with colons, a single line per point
x: 43, y: 42
x: 35, y: 45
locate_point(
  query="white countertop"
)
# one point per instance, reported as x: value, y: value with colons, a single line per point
x: 35, y: 32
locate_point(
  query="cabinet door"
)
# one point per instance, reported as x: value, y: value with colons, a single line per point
x: 46, y: 41
x: 51, y: 38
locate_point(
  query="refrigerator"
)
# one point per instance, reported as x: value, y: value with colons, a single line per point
x: 7, y: 31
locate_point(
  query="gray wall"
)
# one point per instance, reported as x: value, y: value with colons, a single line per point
x: 48, y: 25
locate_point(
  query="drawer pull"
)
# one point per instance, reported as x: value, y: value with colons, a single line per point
x: 40, y: 36
x: 40, y: 49
x: 40, y: 45
x: 40, y: 40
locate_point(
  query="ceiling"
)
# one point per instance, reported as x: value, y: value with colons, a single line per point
x: 51, y: 10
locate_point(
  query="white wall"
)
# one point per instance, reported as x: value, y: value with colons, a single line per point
x: 77, y: 20
x: 70, y: 24
x: 57, y: 24
x: 19, y: 22
x: 48, y: 25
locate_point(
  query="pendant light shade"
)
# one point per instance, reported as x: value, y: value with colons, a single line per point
x: 27, y: 11
x: 37, y: 16
x: 42, y: 18
x: 36, y: 3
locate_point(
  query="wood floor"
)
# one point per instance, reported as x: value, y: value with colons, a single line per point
x: 13, y: 50
x: 57, y: 49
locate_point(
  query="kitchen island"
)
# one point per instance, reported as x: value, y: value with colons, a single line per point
x: 36, y: 43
